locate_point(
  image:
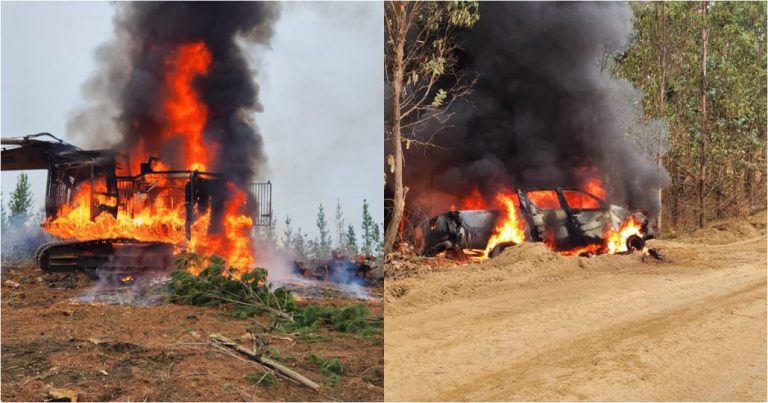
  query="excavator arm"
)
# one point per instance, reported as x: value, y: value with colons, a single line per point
x: 29, y: 152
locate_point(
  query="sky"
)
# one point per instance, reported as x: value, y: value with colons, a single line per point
x: 320, y: 87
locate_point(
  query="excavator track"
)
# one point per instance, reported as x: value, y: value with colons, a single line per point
x: 115, y: 255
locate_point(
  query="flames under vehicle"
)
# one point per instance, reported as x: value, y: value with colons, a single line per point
x: 70, y: 168
x: 565, y: 219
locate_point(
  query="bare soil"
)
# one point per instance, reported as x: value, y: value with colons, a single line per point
x: 534, y: 325
x: 159, y: 353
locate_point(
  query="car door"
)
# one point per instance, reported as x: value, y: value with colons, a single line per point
x: 591, y: 214
x: 548, y: 217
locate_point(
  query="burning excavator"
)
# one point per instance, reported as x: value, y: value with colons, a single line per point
x: 122, y: 221
x: 569, y: 221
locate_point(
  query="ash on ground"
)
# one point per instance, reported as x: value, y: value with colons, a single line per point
x: 310, y: 289
x: 142, y: 289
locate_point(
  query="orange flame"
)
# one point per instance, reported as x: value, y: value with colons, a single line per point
x: 512, y: 228
x: 591, y: 181
x: 163, y: 219
x: 474, y: 201
x: 579, y: 200
x: 595, y: 186
x: 544, y: 199
x: 186, y: 113
x: 235, y: 242
x: 616, y: 240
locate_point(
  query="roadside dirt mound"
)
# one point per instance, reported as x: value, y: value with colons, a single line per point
x: 415, y: 283
x: 532, y: 325
x: 530, y: 253
x: 729, y: 230
x: 521, y: 266
x: 399, y: 266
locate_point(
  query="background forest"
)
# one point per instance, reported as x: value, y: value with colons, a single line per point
x: 702, y: 68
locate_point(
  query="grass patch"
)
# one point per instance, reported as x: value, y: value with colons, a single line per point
x: 262, y: 378
x: 348, y: 319
x: 310, y: 338
x: 275, y: 355
x: 333, y: 368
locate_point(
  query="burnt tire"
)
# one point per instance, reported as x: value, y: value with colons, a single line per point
x: 499, y: 248
x: 634, y: 243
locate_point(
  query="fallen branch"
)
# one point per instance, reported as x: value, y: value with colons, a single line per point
x: 220, y: 340
x: 279, y: 313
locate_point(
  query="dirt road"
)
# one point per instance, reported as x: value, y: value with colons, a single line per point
x: 533, y: 325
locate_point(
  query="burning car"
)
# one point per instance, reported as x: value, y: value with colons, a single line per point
x: 570, y: 221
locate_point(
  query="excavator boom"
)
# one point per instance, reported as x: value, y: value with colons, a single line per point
x: 28, y: 152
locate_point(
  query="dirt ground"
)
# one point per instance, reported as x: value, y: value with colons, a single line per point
x: 159, y: 353
x: 534, y: 325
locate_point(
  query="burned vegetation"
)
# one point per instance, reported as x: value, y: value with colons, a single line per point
x: 173, y: 351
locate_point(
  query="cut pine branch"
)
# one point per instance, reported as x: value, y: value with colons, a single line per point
x: 219, y: 340
x: 269, y: 309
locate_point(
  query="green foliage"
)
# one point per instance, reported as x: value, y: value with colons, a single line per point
x: 378, y: 241
x: 350, y: 248
x: 315, y: 359
x: 251, y: 294
x: 340, y: 236
x: 287, y: 240
x: 439, y: 99
x: 3, y: 215
x: 422, y: 40
x: 299, y: 245
x: 262, y: 378
x: 664, y: 62
x: 275, y: 354
x: 462, y: 14
x: 436, y: 66
x: 348, y: 319
x: 310, y: 317
x: 21, y: 201
x: 323, y: 243
x: 216, y: 285
x: 368, y: 230
x: 334, y: 368
x: 428, y: 33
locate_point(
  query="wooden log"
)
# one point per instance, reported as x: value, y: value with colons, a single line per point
x: 282, y: 369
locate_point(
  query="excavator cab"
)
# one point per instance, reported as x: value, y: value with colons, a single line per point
x: 102, y: 179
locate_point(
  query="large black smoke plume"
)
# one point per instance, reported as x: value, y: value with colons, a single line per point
x: 125, y: 95
x: 544, y: 112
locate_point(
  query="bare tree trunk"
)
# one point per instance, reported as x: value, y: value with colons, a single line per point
x: 703, y: 117
x: 662, y: 92
x: 747, y: 186
x: 400, y: 31
x: 675, y: 203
